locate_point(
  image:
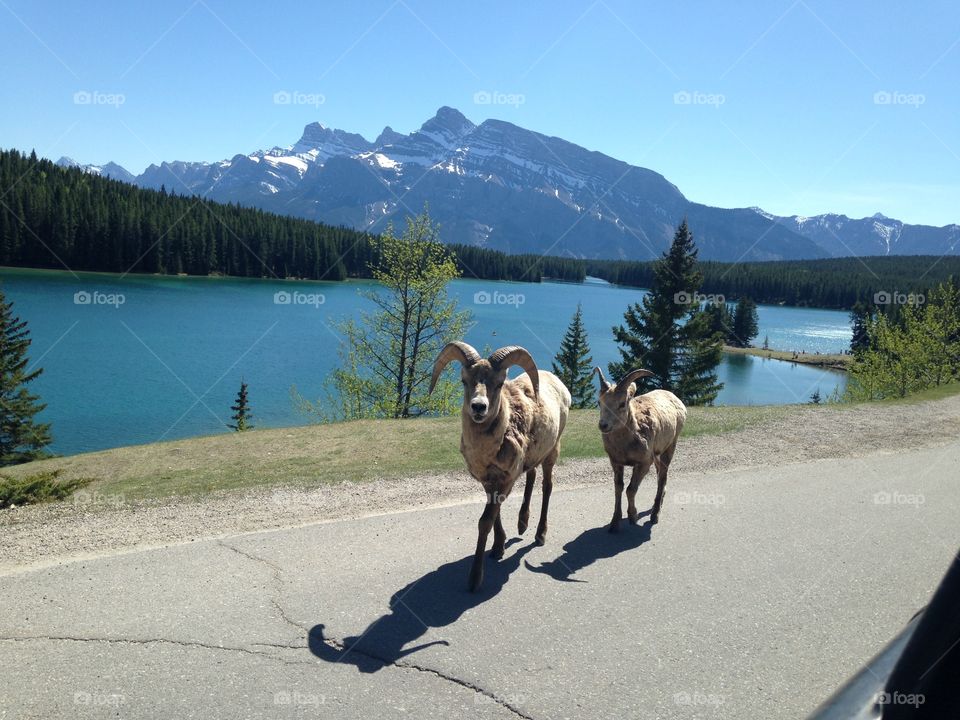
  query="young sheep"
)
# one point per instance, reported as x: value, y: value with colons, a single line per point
x: 508, y: 428
x: 638, y: 430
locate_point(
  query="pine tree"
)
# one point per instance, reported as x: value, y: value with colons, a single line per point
x: 241, y: 411
x: 669, y: 333
x: 766, y: 342
x: 720, y: 320
x: 22, y: 438
x: 860, y: 315
x: 573, y: 364
x: 746, y: 323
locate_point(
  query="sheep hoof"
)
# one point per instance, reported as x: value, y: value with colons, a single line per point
x: 634, y: 517
x: 541, y: 538
x: 614, y: 527
x: 496, y: 553
x: 655, y: 518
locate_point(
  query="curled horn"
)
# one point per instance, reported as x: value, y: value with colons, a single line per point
x: 604, y: 385
x: 459, y: 351
x: 631, y: 377
x: 516, y: 355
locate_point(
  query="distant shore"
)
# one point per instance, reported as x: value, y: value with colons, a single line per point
x: 828, y: 361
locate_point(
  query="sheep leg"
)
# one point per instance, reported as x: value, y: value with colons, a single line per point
x: 639, y: 472
x: 499, y: 538
x: 525, y: 508
x: 485, y: 525
x: 617, y: 492
x: 663, y: 465
x: 547, y: 489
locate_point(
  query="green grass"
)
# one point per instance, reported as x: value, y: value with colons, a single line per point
x: 581, y: 439
x: 939, y: 392
x: 313, y: 455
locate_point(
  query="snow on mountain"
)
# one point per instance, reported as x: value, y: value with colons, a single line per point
x: 841, y: 236
x: 502, y: 186
x: 110, y: 170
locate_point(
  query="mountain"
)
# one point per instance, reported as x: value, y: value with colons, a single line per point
x: 875, y: 235
x: 110, y: 170
x: 501, y: 186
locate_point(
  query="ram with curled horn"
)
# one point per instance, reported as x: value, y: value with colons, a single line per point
x: 638, y: 430
x: 509, y: 427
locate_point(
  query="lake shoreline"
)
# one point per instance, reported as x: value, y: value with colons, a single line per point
x: 165, y: 359
x: 832, y: 361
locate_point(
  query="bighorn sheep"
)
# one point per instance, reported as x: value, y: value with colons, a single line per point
x: 508, y: 428
x: 638, y: 430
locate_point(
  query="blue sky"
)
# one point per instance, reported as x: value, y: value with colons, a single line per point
x: 801, y: 106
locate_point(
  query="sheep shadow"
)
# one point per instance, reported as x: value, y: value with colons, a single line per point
x: 434, y: 600
x: 592, y: 545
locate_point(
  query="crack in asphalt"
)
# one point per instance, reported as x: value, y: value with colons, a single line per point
x: 341, y: 646
x: 158, y: 641
x: 278, y: 591
x: 338, y: 645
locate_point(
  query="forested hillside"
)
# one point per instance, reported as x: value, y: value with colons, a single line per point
x: 54, y: 217
x: 834, y: 283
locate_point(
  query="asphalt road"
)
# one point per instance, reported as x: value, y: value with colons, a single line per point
x: 758, y: 593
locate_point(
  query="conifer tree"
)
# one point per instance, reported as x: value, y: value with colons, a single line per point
x: 860, y: 315
x: 669, y: 333
x: 241, y: 411
x: 746, y: 323
x: 573, y: 364
x: 22, y: 438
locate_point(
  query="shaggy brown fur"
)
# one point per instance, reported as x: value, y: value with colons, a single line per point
x: 638, y: 430
x: 509, y: 427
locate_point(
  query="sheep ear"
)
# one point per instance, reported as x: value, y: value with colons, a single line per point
x: 604, y: 385
x: 516, y: 355
x: 459, y: 351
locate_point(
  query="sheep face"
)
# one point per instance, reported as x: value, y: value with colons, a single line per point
x: 482, y: 386
x: 615, y: 399
x: 615, y: 407
x: 483, y: 379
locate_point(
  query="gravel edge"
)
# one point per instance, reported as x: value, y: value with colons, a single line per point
x: 49, y: 534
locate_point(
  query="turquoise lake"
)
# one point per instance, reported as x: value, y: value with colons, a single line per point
x: 166, y: 362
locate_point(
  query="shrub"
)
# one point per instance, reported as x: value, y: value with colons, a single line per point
x: 37, y: 488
